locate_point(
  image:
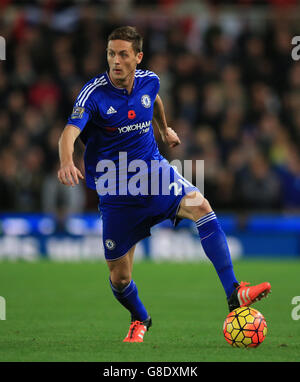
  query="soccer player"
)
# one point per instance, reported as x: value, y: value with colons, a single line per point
x: 113, y: 115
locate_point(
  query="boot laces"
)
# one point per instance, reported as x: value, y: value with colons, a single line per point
x: 134, y: 325
x: 243, y: 284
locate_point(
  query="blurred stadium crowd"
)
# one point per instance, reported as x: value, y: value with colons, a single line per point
x: 230, y: 88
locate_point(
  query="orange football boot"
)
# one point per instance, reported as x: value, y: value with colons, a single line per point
x: 137, y: 330
x: 245, y: 295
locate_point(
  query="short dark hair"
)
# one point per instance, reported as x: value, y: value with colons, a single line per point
x: 128, y: 33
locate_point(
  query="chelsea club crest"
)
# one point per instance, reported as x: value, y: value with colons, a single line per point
x: 146, y: 100
x: 110, y: 244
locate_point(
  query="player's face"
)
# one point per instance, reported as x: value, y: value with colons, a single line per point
x: 122, y: 60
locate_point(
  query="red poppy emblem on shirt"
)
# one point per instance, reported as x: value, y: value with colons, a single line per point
x: 131, y: 114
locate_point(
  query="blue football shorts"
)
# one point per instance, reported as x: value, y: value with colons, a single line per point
x: 127, y: 219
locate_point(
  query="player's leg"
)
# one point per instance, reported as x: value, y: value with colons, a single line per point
x: 121, y: 270
x: 123, y: 226
x: 124, y: 288
x: 126, y: 292
x: 195, y: 207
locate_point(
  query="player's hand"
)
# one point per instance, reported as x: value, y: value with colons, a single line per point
x: 171, y: 138
x: 69, y: 175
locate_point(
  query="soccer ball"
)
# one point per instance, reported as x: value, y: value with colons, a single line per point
x: 245, y: 327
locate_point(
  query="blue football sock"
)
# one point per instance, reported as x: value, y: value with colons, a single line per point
x: 216, y: 249
x: 129, y: 298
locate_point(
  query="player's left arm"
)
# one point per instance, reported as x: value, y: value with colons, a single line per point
x: 159, y: 121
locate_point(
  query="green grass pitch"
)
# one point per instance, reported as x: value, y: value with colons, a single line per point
x: 66, y: 312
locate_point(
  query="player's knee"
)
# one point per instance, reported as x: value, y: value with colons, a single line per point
x: 120, y: 281
x: 200, y: 210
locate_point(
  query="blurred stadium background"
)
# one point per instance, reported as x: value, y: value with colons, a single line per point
x: 230, y: 88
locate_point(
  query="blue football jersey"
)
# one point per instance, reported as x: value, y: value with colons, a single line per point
x: 112, y: 121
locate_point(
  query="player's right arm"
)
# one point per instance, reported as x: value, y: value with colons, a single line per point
x: 83, y: 110
x: 68, y: 174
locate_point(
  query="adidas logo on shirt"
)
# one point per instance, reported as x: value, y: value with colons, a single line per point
x: 111, y: 110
